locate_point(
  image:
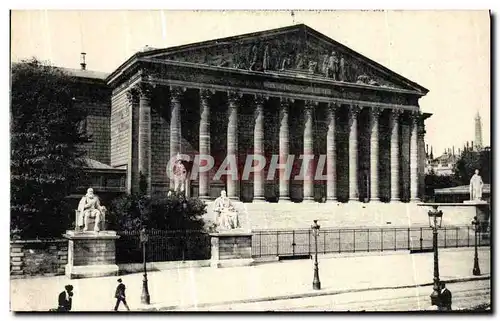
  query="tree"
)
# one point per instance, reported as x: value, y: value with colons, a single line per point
x: 434, y: 181
x: 174, y: 212
x: 470, y: 161
x: 45, y: 155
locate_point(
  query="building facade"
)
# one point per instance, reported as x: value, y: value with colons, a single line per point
x: 288, y: 91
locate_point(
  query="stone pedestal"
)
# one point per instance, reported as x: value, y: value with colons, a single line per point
x: 462, y: 213
x: 91, y: 254
x: 231, y: 248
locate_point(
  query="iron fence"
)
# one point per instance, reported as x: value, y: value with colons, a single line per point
x: 163, y: 246
x: 196, y: 245
x: 301, y: 242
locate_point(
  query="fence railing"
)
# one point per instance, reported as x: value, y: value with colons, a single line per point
x: 163, y: 246
x: 196, y: 245
x: 301, y: 242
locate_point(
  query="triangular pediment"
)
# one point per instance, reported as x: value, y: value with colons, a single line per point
x: 291, y: 50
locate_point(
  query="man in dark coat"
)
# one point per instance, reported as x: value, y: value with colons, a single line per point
x: 445, y: 298
x: 120, y: 295
x: 65, y: 299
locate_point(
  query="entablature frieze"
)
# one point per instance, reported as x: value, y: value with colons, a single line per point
x: 282, y: 87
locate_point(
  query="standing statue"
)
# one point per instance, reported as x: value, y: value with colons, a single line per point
x: 90, y: 207
x: 266, y: 59
x: 253, y: 58
x: 226, y: 215
x: 343, y: 70
x: 180, y: 175
x: 333, y: 66
x: 476, y: 187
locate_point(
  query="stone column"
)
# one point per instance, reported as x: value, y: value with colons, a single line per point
x: 284, y: 149
x: 395, y: 169
x: 132, y: 166
x: 331, y: 171
x: 232, y: 143
x: 308, y: 151
x: 175, y: 124
x: 414, y: 157
x: 258, y: 147
x: 144, y: 140
x: 374, y: 155
x: 353, y: 153
x: 204, y: 180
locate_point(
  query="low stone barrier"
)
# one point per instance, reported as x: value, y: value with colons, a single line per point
x: 38, y: 257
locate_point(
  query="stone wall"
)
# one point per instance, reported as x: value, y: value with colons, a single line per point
x: 97, y: 126
x: 36, y: 257
x: 120, y: 129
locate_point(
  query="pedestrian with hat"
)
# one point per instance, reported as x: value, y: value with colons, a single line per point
x: 65, y: 299
x: 120, y: 295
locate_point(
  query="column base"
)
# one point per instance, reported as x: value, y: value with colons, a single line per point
x: 234, y: 198
x: 259, y: 199
x: 375, y: 200
x: 308, y: 200
x: 354, y: 200
x: 284, y: 199
x: 415, y: 200
x: 204, y: 198
x: 395, y: 200
x: 331, y: 200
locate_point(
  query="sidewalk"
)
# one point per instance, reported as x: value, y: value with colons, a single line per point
x: 198, y: 287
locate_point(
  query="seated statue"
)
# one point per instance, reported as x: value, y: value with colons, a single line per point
x: 90, y: 208
x: 226, y: 215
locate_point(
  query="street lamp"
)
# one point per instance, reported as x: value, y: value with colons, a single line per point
x: 475, y: 225
x: 435, y: 218
x: 315, y: 229
x: 145, y: 298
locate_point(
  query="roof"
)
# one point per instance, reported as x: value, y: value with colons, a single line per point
x: 303, y: 29
x: 91, y: 74
x: 463, y: 189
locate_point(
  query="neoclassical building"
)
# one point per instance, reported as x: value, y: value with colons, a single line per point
x: 287, y: 91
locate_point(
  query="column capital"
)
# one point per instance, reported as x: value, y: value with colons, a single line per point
x: 132, y: 94
x: 332, y: 106
x: 260, y: 99
x: 375, y: 111
x: 395, y: 114
x: 176, y: 92
x: 286, y: 102
x: 354, y: 111
x: 234, y: 96
x: 145, y: 89
x: 206, y: 94
x: 310, y: 104
x: 414, y: 117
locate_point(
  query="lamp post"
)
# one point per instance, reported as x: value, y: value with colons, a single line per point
x: 315, y: 229
x: 435, y: 218
x: 475, y: 225
x: 145, y: 298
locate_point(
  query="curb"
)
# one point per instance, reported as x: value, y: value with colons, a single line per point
x: 307, y: 295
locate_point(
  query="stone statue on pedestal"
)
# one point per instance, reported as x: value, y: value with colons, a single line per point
x: 476, y: 187
x: 226, y: 215
x: 90, y: 208
x: 180, y: 175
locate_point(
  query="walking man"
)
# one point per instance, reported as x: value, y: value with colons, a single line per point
x: 120, y: 295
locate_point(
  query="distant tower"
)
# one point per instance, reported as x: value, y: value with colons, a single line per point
x: 479, y: 137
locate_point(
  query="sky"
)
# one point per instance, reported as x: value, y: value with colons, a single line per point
x: 447, y: 52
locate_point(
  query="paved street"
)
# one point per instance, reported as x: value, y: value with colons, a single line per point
x: 465, y: 295
x: 202, y: 287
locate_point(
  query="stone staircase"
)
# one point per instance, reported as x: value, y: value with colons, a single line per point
x: 265, y: 215
x: 289, y: 215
